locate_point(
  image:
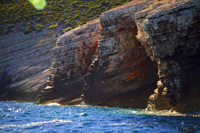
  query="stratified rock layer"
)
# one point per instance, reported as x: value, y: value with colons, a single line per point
x: 121, y: 75
x: 70, y: 62
x: 171, y: 35
x: 24, y: 63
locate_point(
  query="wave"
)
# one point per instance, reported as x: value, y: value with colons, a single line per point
x: 53, y: 104
x: 162, y: 113
x: 120, y: 124
x: 36, y: 123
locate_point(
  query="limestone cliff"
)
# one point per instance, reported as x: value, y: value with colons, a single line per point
x: 24, y: 63
x: 171, y: 35
x: 70, y: 61
x: 114, y: 61
x: 121, y: 75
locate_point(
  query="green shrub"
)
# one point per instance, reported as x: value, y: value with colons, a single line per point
x: 39, y: 26
x: 75, y: 12
x: 29, y: 29
x: 52, y: 26
x: 67, y: 29
x: 11, y: 26
x: 6, y: 21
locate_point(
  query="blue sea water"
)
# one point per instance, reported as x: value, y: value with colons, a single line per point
x: 28, y: 117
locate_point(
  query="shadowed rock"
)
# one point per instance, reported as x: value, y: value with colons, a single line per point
x: 24, y: 63
x: 171, y: 35
x: 70, y: 61
x: 121, y: 75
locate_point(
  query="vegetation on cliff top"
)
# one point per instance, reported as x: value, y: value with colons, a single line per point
x: 21, y: 14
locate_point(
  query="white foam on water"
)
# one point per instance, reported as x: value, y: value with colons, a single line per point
x: 120, y: 124
x: 83, y: 104
x: 36, y: 123
x: 162, y: 113
x: 53, y: 104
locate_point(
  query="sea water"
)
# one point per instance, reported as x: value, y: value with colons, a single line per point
x: 28, y: 117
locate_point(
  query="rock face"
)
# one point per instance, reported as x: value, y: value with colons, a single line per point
x: 70, y: 62
x: 115, y: 61
x: 24, y: 63
x: 171, y: 36
x: 121, y: 75
x: 158, y: 100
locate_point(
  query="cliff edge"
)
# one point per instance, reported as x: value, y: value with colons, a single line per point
x: 121, y: 75
x: 171, y: 35
x: 142, y: 54
x: 70, y: 61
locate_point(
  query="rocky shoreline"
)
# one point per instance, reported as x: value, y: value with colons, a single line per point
x: 144, y: 54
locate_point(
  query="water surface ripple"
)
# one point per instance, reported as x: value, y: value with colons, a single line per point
x: 28, y: 117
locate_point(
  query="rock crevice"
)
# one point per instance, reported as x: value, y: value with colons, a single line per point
x: 121, y: 75
x: 170, y: 34
x: 117, y: 60
x: 70, y: 61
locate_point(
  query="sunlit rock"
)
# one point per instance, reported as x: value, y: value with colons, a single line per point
x: 70, y: 61
x: 121, y: 75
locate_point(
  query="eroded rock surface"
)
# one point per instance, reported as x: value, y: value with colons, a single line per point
x: 158, y: 100
x: 171, y: 35
x: 70, y: 61
x: 121, y: 75
x: 24, y: 63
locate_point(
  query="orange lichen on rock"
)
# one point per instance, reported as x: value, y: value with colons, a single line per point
x: 122, y: 74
